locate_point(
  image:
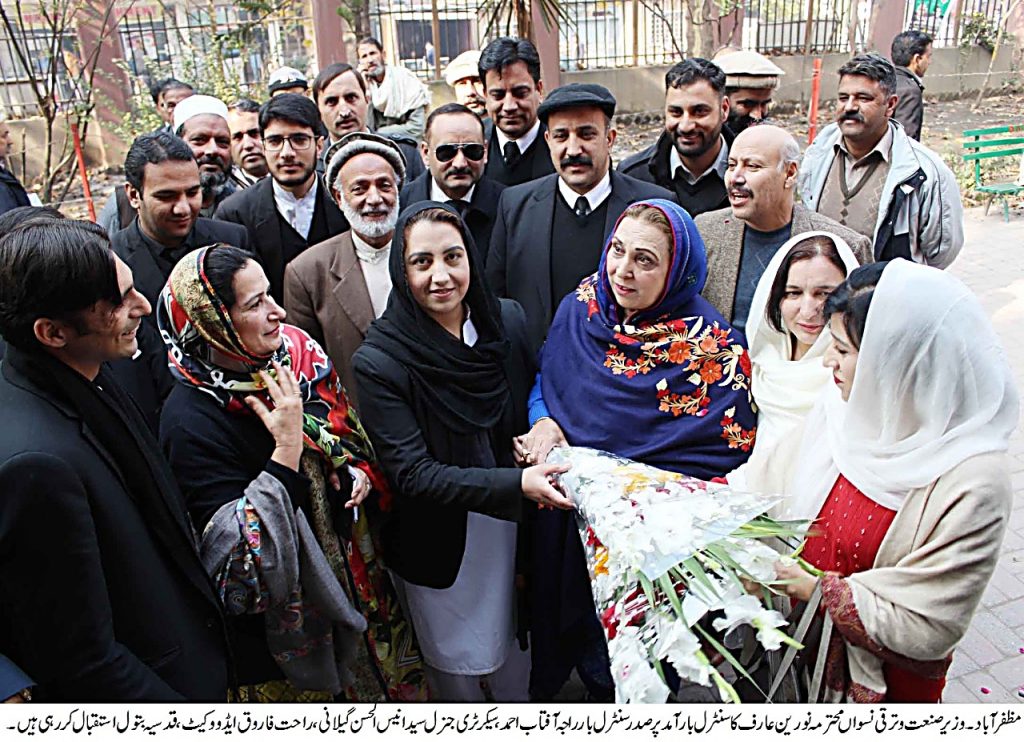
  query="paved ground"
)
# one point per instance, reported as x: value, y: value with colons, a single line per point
x: 991, y: 656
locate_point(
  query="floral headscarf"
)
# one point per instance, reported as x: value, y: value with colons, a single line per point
x: 671, y: 388
x: 194, y: 322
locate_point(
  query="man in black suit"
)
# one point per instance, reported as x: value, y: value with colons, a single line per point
x: 164, y: 189
x: 550, y: 233
x: 692, y: 154
x: 339, y: 91
x: 292, y: 209
x: 105, y: 597
x: 517, y: 151
x: 456, y: 157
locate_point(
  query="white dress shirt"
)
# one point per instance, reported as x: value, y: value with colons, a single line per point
x: 297, y: 211
x: 522, y: 142
x: 436, y: 194
x: 376, y: 273
x: 595, y: 196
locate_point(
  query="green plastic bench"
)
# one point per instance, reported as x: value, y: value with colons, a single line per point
x: 985, y: 149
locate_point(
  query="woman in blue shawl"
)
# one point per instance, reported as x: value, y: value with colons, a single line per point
x: 639, y: 364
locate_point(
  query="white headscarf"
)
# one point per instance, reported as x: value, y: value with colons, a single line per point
x: 785, y: 390
x: 932, y: 388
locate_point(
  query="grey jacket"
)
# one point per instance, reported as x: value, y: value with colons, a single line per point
x: 920, y: 217
x: 723, y: 241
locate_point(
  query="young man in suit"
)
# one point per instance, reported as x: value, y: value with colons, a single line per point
x: 163, y: 187
x: 692, y: 153
x: 456, y: 157
x: 550, y: 232
x: 335, y: 289
x: 517, y: 150
x: 292, y: 209
x: 105, y: 597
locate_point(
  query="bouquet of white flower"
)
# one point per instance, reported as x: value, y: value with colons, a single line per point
x: 664, y: 550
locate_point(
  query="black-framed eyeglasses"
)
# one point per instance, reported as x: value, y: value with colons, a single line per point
x: 299, y: 142
x: 447, y: 152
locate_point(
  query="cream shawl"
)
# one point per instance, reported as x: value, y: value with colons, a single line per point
x: 785, y: 390
x: 930, y: 413
x: 399, y: 92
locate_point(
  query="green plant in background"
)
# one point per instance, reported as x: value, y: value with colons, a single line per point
x: 978, y: 29
x: 205, y: 59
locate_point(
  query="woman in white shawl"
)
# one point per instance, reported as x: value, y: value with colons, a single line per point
x: 903, y: 468
x: 788, y: 338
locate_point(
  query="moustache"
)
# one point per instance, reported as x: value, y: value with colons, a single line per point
x: 210, y: 160
x: 741, y: 191
x: 458, y: 171
x: 576, y: 160
x: 852, y: 116
x: 374, y: 212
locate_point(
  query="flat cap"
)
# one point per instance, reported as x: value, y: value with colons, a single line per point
x: 577, y: 95
x: 465, y: 65
x: 286, y: 77
x: 198, y: 105
x: 747, y: 69
x: 358, y: 143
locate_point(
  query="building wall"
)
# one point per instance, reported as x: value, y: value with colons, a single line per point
x: 953, y: 72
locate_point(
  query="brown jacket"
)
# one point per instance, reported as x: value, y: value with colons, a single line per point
x: 325, y: 294
x: 723, y: 241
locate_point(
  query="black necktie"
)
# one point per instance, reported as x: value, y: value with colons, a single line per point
x: 459, y: 205
x: 512, y: 154
x: 582, y: 207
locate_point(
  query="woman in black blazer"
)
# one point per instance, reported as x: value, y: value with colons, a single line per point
x: 443, y: 378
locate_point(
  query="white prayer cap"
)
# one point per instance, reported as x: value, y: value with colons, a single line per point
x: 197, y: 105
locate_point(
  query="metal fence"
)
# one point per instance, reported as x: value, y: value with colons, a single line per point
x: 622, y: 33
x: 424, y: 35
x: 213, y: 39
x: 806, y: 26
x: 951, y: 21
x: 35, y: 40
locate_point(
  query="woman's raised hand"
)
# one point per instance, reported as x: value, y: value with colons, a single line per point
x: 537, y: 486
x: 534, y: 447
x: 284, y: 421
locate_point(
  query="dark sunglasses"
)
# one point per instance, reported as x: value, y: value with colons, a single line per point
x: 447, y: 152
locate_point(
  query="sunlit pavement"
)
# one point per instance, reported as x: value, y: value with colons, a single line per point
x: 988, y: 665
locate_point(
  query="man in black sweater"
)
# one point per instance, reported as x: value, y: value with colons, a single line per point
x: 517, y: 151
x: 550, y: 232
x: 691, y: 156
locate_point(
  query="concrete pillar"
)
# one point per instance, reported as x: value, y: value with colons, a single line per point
x: 728, y: 29
x: 98, y: 39
x: 886, y: 21
x: 328, y: 33
x: 99, y: 42
x: 547, y: 47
